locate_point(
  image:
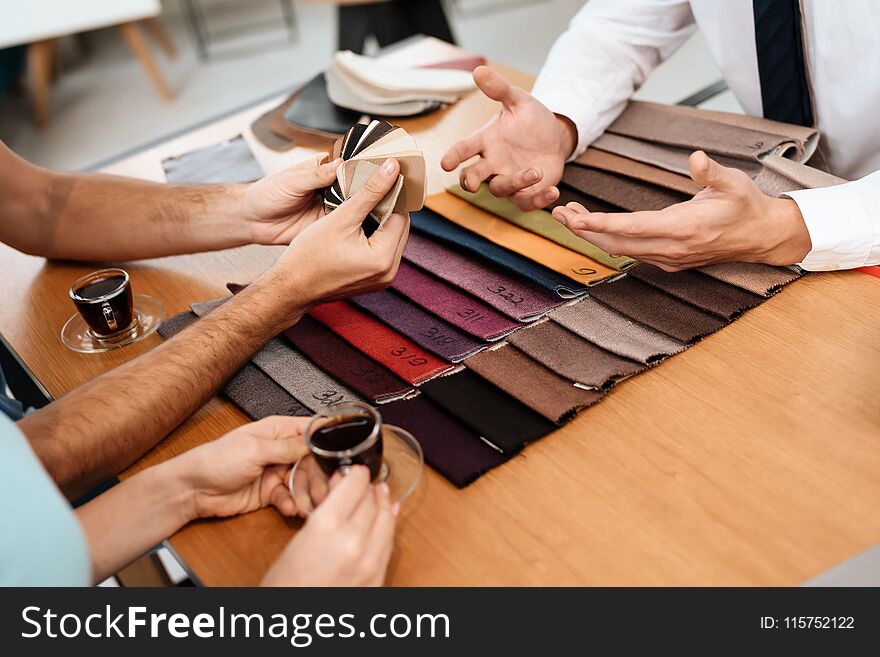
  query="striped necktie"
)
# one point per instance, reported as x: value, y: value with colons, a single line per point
x: 784, y: 88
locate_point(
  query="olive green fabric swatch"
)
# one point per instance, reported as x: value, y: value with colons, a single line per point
x: 541, y: 223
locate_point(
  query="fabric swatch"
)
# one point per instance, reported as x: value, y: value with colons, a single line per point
x: 765, y: 280
x: 228, y: 162
x: 531, y: 383
x: 384, y: 345
x: 450, y: 447
x: 702, y: 291
x: 571, y: 356
x: 657, y: 309
x: 570, y: 195
x: 492, y: 413
x: 342, y: 361
x: 256, y: 394
x: 450, y: 303
x: 423, y: 328
x: 616, y: 333
x: 618, y: 190
x: 604, y: 161
x: 780, y: 175
x: 575, y: 266
x: 541, y: 223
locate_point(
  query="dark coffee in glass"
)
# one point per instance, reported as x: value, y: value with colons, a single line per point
x: 346, y: 434
x: 104, y: 300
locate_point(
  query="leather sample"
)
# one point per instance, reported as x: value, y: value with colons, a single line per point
x: 616, y: 333
x: 311, y: 110
x: 384, y: 345
x: 575, y: 266
x: 619, y: 190
x: 423, y: 328
x: 450, y: 447
x: 571, y: 356
x: 531, y: 383
x: 518, y: 299
x: 444, y: 231
x: 451, y: 304
x: 657, y: 309
x: 541, y: 223
x: 228, y: 162
x: 702, y: 291
x: 257, y: 395
x: 493, y: 414
x: 604, y: 161
x: 765, y: 280
x: 345, y: 363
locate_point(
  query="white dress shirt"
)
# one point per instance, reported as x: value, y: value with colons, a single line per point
x: 612, y: 46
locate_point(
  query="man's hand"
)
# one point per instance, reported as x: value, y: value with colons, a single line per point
x: 523, y: 149
x: 730, y: 220
x: 280, y: 206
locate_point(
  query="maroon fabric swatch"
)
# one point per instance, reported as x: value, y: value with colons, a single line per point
x: 651, y: 307
x: 342, y: 361
x: 450, y: 447
x: 450, y: 303
x: 518, y: 299
x: 703, y: 291
x: 423, y: 328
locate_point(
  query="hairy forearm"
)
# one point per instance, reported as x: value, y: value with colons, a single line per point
x: 133, y: 517
x: 100, y: 428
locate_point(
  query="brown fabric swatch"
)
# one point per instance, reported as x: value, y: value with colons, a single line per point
x: 571, y: 356
x: 570, y: 195
x: 703, y: 291
x: 657, y: 309
x: 604, y: 161
x: 616, y: 333
x: 765, y: 280
x: 618, y: 190
x: 533, y: 384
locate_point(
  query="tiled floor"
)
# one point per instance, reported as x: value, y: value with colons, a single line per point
x: 102, y: 104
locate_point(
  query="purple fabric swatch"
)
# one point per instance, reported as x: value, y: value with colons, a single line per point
x: 518, y: 299
x: 420, y: 326
x: 450, y: 303
x: 450, y: 447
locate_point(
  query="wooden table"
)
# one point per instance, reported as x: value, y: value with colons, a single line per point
x: 752, y: 458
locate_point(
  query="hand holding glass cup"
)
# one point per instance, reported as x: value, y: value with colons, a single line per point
x: 346, y: 434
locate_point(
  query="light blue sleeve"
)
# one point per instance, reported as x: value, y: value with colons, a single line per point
x: 41, y: 543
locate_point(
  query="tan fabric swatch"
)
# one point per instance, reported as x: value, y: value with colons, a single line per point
x: 781, y: 175
x: 621, y: 191
x: 571, y: 356
x: 604, y: 161
x: 765, y: 280
x: 573, y: 265
x: 614, y: 332
x: 531, y: 383
x: 541, y: 223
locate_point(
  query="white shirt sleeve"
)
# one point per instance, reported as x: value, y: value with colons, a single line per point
x: 843, y: 222
x: 606, y: 54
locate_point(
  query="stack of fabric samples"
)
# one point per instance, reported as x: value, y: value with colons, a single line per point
x: 376, y: 88
x: 363, y: 150
x: 502, y: 325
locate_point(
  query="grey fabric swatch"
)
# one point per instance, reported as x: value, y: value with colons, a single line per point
x: 780, y: 175
x: 228, y: 162
x: 615, y: 332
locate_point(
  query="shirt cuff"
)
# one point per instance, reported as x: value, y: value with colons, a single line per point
x: 839, y: 224
x: 581, y: 114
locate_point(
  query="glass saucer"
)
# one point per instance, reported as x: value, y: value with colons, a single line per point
x: 77, y: 336
x: 402, y: 465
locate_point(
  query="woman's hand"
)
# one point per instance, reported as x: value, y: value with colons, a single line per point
x: 244, y: 470
x: 347, y: 541
x: 280, y: 206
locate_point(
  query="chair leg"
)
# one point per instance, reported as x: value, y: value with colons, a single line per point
x: 39, y: 63
x: 138, y: 46
x: 157, y: 31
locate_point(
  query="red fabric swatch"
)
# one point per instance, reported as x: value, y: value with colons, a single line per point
x: 381, y: 343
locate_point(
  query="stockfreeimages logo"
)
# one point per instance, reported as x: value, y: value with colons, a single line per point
x: 299, y: 629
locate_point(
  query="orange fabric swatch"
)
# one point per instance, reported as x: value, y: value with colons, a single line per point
x: 569, y: 263
x: 381, y: 343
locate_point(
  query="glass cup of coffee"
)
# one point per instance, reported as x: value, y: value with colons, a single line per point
x: 344, y: 435
x: 104, y: 300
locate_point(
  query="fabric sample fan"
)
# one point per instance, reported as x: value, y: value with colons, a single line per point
x: 364, y: 148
